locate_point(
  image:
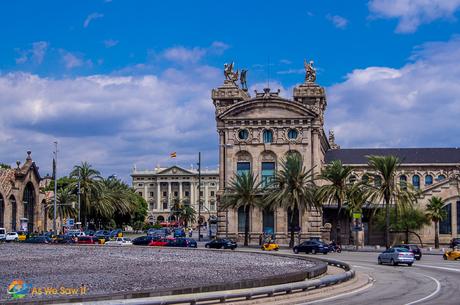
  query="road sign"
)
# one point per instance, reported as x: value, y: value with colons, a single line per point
x: 70, y: 222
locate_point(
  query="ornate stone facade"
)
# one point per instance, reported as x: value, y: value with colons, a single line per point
x: 160, y: 186
x: 256, y: 133
x: 22, y: 199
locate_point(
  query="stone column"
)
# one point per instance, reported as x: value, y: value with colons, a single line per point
x: 180, y: 190
x: 206, y: 199
x: 168, y: 197
x: 159, y: 206
x: 192, y: 194
x: 146, y: 193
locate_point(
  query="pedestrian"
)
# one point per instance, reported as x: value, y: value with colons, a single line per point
x: 190, y: 232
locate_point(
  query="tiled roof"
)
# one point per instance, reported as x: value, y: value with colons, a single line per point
x: 406, y: 155
x: 6, y: 180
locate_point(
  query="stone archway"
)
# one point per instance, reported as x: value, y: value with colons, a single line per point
x: 14, y: 212
x: 29, y: 205
x: 45, y: 215
x: 160, y: 219
x: 2, y: 211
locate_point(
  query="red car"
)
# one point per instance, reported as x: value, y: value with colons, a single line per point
x: 161, y: 242
x: 88, y: 240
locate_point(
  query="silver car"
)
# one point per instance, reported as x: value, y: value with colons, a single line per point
x: 396, y: 256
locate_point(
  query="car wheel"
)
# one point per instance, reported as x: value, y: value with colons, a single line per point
x: 325, y: 253
x: 393, y: 262
x: 418, y: 258
x: 313, y: 251
x: 206, y: 246
x: 444, y: 257
x: 409, y: 264
x: 296, y: 251
x: 379, y: 261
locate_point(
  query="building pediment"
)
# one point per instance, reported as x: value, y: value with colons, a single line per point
x: 175, y: 170
x: 260, y: 108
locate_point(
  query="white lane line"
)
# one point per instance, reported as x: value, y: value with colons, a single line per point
x: 438, y: 288
x: 363, y: 267
x: 435, y: 267
x: 343, y: 294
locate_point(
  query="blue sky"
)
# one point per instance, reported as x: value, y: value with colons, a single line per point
x: 119, y: 83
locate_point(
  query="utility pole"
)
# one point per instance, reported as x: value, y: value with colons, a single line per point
x: 199, y: 196
x: 79, y: 202
x: 55, y: 184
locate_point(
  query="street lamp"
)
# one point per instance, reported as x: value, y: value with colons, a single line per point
x: 55, y: 184
x: 199, y: 195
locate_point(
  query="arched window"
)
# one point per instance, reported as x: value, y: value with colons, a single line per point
x: 377, y: 181
x: 14, y: 211
x: 403, y: 181
x: 29, y: 205
x: 295, y: 218
x: 458, y: 217
x: 365, y: 178
x: 441, y: 177
x: 268, y: 173
x: 242, y: 218
x: 445, y: 226
x: 428, y: 180
x: 268, y: 221
x: 352, y: 179
x: 268, y: 136
x: 416, y: 181
x: 292, y: 134
x: 2, y: 212
x: 160, y: 219
x: 243, y: 168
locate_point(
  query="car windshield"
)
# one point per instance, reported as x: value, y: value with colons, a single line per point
x: 401, y: 250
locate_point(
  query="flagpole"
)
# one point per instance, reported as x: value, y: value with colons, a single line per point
x: 55, y: 185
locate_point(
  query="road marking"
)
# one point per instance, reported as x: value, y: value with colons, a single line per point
x: 343, y: 294
x: 442, y: 268
x: 363, y: 267
x: 438, y: 288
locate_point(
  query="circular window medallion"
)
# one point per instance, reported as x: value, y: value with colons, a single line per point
x: 293, y: 134
x: 243, y: 134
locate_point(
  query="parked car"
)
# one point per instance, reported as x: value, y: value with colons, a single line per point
x: 102, y: 234
x: 179, y: 233
x: 75, y: 234
x: 270, y: 246
x: 182, y: 242
x: 89, y: 240
x: 22, y: 236
x: 452, y: 255
x: 157, y: 232
x: 119, y: 241
x: 116, y: 233
x: 220, y: 243
x: 455, y: 242
x: 412, y: 248
x: 89, y: 232
x: 396, y: 256
x: 64, y: 239
x: 163, y: 242
x: 191, y: 243
x: 2, y: 234
x: 12, y: 236
x: 145, y: 240
x: 38, y: 240
x: 312, y: 246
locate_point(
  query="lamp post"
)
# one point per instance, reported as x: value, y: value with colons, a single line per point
x: 78, y: 194
x: 199, y: 195
x: 55, y: 185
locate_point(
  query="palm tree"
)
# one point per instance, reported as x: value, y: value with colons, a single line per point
x: 65, y: 199
x: 436, y: 213
x: 337, y: 175
x: 292, y: 188
x: 386, y: 168
x: 243, y: 191
x: 90, y: 189
x: 188, y: 215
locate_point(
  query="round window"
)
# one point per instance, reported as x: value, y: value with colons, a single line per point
x: 243, y: 134
x: 292, y: 134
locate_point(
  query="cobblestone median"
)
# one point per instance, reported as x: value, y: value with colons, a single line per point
x: 104, y: 269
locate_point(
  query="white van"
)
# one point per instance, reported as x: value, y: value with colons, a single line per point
x: 2, y: 234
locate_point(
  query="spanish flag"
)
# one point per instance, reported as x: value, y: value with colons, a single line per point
x: 172, y: 155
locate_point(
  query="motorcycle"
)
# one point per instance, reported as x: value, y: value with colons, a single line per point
x: 335, y: 248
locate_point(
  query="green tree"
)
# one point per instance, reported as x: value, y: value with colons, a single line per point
x: 436, y: 213
x: 392, y: 194
x: 4, y: 166
x: 337, y: 177
x: 292, y: 188
x: 187, y: 215
x: 65, y: 204
x: 91, y: 190
x: 243, y: 191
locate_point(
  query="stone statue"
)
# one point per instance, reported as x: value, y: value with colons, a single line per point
x: 310, y: 71
x: 244, y: 85
x: 229, y: 74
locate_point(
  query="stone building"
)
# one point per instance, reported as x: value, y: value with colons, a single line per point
x: 161, y: 186
x: 257, y: 132
x: 22, y: 200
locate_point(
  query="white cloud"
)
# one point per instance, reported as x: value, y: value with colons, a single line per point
x: 412, y: 13
x: 36, y: 53
x: 108, y: 43
x: 415, y: 105
x: 90, y: 18
x: 182, y: 54
x: 74, y: 60
x: 338, y: 21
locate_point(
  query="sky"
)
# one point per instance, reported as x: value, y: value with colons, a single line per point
x: 123, y: 83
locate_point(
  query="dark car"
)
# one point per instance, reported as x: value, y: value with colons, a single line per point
x: 179, y: 233
x: 103, y: 234
x: 145, y: 240
x: 115, y: 233
x: 412, y: 248
x: 191, y: 243
x: 64, y: 239
x: 88, y: 240
x: 221, y: 243
x: 455, y: 242
x: 89, y: 232
x: 312, y: 246
x: 38, y: 240
x: 157, y: 232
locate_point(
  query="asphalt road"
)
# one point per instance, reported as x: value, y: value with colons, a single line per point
x: 429, y: 281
